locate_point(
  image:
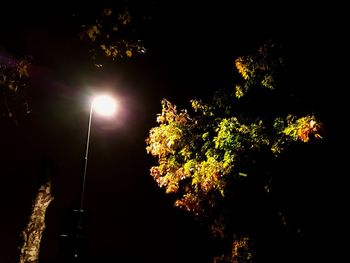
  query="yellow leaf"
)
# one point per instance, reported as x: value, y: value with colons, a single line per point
x: 129, y: 53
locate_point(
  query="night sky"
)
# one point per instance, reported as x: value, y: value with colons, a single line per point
x: 191, y: 49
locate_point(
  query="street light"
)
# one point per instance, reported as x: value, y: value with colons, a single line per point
x: 103, y: 105
x: 106, y: 106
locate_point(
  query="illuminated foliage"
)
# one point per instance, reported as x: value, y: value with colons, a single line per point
x: 111, y: 34
x: 240, y: 252
x: 198, y: 153
x: 302, y: 128
x: 259, y: 69
x: 204, y: 152
x: 14, y: 75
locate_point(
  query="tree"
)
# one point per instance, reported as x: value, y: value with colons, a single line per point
x: 34, y: 231
x: 214, y: 158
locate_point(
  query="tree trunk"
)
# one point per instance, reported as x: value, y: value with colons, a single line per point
x: 35, y: 228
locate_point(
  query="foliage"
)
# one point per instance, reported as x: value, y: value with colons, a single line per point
x: 112, y: 35
x: 14, y: 76
x: 259, y: 69
x: 198, y: 154
x: 204, y: 154
x: 240, y: 252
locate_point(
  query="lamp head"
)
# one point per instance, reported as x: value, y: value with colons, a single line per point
x: 104, y: 105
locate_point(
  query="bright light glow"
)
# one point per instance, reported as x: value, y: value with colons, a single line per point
x: 104, y: 105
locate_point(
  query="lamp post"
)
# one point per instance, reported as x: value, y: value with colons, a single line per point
x: 105, y: 106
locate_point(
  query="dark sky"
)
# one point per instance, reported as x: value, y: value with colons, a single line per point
x: 191, y: 48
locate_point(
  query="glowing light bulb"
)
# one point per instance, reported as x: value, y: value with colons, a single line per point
x: 104, y: 105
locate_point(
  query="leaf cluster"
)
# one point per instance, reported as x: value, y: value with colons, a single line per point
x: 205, y: 154
x: 112, y: 35
x: 14, y: 75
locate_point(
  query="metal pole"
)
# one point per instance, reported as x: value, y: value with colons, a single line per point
x: 81, y: 209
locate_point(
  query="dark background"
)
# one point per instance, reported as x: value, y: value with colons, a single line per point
x: 191, y: 49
